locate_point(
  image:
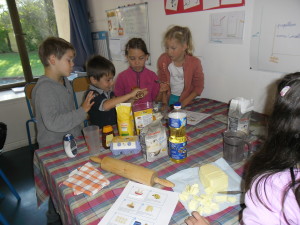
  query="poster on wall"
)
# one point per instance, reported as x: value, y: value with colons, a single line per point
x: 275, y: 40
x: 227, y: 28
x: 186, y: 6
x: 125, y: 23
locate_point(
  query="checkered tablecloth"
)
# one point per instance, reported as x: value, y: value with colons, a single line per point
x: 52, y: 167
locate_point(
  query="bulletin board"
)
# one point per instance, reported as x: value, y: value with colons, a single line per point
x: 187, y: 6
x: 275, y: 39
x: 125, y: 23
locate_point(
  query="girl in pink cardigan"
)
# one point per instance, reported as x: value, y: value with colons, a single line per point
x: 179, y: 72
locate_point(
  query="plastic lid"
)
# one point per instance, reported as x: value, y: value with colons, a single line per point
x: 177, y: 105
x: 107, y: 129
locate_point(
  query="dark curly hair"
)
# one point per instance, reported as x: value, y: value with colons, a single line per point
x: 98, y: 66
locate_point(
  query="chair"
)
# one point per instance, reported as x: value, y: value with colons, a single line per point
x: 13, y: 190
x: 28, y: 90
x: 80, y: 84
x: 3, y: 220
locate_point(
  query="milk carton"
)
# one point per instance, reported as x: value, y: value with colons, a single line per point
x: 239, y: 114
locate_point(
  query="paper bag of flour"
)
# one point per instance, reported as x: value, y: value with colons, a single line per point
x: 239, y: 114
x: 154, y: 141
x: 125, y: 119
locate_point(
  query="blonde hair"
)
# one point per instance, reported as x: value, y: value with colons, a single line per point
x: 182, y: 34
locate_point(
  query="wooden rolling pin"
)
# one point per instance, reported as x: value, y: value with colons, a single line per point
x: 133, y: 172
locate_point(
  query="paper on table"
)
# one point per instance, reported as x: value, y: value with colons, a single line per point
x: 195, y: 117
x: 141, y: 204
x: 191, y: 176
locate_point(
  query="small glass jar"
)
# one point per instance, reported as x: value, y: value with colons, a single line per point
x: 107, y: 136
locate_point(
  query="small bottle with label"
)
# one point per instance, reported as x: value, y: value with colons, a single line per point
x: 177, y: 139
x: 107, y: 136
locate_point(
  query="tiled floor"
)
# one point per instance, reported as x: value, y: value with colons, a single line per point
x: 18, y: 168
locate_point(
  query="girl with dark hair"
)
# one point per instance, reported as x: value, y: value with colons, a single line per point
x: 273, y: 176
x: 137, y: 75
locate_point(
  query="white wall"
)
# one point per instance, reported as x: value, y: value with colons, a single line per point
x: 14, y: 114
x: 226, y: 66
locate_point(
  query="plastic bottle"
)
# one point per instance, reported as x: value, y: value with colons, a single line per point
x: 177, y: 139
x: 107, y: 136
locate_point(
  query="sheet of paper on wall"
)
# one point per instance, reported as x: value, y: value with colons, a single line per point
x: 230, y: 2
x: 227, y: 27
x: 190, y: 3
x: 208, y: 4
x: 195, y: 117
x: 172, y: 5
x: 141, y: 204
x: 116, y: 47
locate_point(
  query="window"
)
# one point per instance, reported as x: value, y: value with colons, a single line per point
x: 24, y: 24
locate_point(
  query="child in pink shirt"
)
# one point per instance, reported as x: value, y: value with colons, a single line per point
x: 137, y: 75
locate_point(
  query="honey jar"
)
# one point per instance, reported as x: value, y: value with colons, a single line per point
x: 107, y: 136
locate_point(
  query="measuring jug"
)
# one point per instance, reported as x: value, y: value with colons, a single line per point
x: 234, y: 146
x: 92, y: 139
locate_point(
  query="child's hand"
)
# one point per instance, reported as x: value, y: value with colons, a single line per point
x: 164, y: 86
x: 87, y: 104
x: 138, y: 93
x: 196, y: 219
x: 184, y: 103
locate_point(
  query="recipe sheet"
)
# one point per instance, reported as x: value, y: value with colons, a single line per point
x: 140, y: 204
x: 195, y: 117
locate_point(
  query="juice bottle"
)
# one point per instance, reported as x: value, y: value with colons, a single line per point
x: 107, y: 136
x: 177, y: 139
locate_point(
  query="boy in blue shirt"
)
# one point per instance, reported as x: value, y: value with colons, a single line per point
x: 101, y: 73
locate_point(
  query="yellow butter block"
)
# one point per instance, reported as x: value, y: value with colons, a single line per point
x: 213, y: 177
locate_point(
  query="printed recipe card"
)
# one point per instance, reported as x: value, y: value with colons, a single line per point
x: 140, y: 204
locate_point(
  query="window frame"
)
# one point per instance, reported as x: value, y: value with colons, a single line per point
x: 20, y: 40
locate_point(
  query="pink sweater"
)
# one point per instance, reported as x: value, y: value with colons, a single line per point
x: 257, y: 213
x: 193, y: 74
x: 129, y: 79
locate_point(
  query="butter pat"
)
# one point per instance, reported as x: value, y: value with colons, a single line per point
x: 193, y: 205
x: 213, y: 177
x: 192, y: 189
x: 184, y: 196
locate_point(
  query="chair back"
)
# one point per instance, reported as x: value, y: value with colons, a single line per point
x: 80, y: 84
x: 28, y: 91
